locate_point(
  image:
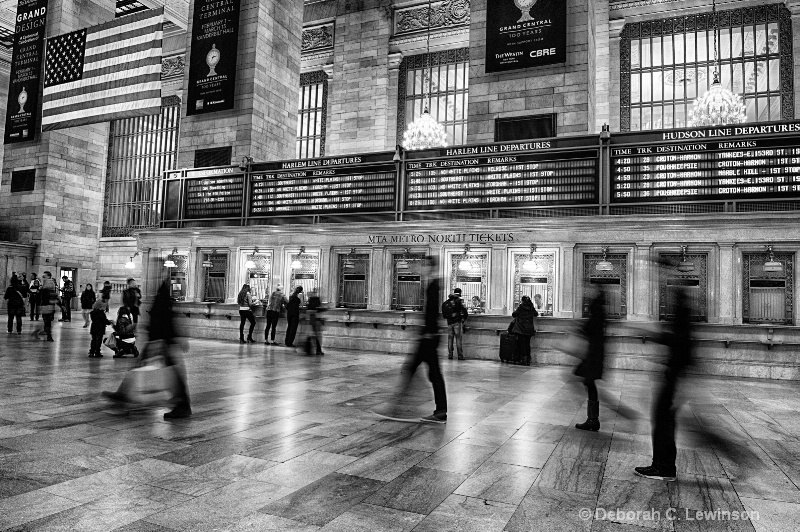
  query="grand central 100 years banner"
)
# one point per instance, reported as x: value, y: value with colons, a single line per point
x: 26, y: 71
x: 525, y: 33
x: 212, y: 64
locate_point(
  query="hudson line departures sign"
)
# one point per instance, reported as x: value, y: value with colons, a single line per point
x: 525, y: 33
x: 212, y: 64
x: 26, y: 69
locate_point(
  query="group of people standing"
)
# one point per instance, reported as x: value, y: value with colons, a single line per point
x: 43, y: 296
x: 277, y: 303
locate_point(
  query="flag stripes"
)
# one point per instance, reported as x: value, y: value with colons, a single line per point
x: 107, y: 72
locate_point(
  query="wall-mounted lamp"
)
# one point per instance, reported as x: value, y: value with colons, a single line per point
x: 348, y: 262
x: 296, y: 264
x: 397, y: 154
x: 530, y: 264
x: 402, y: 264
x: 250, y: 264
x: 465, y: 265
x: 685, y: 266
x: 130, y: 265
x: 170, y: 263
x: 604, y: 265
x: 207, y: 263
x: 244, y: 165
x: 772, y: 266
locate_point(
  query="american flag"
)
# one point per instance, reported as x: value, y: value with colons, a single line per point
x: 105, y: 72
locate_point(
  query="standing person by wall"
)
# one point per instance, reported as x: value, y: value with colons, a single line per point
x: 454, y: 312
x: 293, y: 316
x: 277, y: 301
x: 591, y: 368
x: 67, y: 293
x: 245, y: 302
x: 88, y: 298
x: 132, y: 298
x: 34, y: 297
x: 524, y: 329
x: 16, y: 304
x: 314, y: 309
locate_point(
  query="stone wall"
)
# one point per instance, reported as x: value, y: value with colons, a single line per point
x: 561, y: 89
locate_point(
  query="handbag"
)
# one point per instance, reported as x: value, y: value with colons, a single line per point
x: 151, y: 383
x: 111, y: 342
x: 511, y: 326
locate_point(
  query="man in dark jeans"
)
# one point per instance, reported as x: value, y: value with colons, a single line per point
x: 34, y: 297
x: 67, y: 293
x: 426, y: 352
x: 132, y: 298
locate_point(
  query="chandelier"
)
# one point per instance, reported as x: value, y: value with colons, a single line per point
x: 425, y: 132
x: 718, y: 106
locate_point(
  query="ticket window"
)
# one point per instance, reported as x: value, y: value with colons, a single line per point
x: 768, y: 294
x: 259, y: 275
x: 408, y: 284
x: 303, y: 271
x: 353, y: 280
x: 533, y: 277
x: 177, y: 277
x: 609, y: 273
x: 686, y: 274
x: 215, y: 275
x: 469, y: 272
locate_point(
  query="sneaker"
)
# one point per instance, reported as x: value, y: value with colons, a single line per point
x: 656, y: 473
x: 436, y: 418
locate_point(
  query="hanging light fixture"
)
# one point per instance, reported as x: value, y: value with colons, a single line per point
x: 425, y: 132
x: 465, y: 265
x: 250, y: 264
x: 772, y: 266
x: 719, y: 106
x: 402, y: 264
x: 296, y: 264
x: 170, y: 263
x: 130, y: 264
x: 604, y: 265
x: 530, y: 264
x: 207, y: 263
x: 685, y: 266
x: 348, y: 261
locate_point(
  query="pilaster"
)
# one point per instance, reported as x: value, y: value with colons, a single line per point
x: 569, y: 273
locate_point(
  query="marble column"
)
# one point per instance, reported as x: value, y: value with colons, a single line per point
x: 599, y: 66
x: 569, y: 277
x: 63, y: 215
x: 794, y: 8
x: 498, y: 281
x: 614, y: 38
x: 642, y: 284
x: 726, y: 292
x: 263, y: 122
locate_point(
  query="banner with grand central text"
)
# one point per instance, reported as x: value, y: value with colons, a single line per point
x: 525, y: 33
x: 26, y: 71
x: 212, y: 61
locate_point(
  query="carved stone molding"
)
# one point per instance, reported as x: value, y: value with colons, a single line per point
x: 615, y: 6
x: 173, y: 66
x: 444, y: 14
x: 317, y: 38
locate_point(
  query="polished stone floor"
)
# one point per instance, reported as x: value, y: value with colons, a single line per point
x: 280, y: 441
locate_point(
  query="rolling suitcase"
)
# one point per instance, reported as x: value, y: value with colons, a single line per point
x: 508, y: 346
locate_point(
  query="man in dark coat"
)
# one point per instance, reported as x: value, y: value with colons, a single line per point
x: 454, y: 312
x: 591, y: 368
x: 293, y: 316
x: 524, y: 329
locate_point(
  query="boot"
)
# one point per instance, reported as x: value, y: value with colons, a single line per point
x: 250, y: 339
x: 241, y: 340
x: 592, y: 417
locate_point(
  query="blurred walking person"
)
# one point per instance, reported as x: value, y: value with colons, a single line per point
x: 314, y: 309
x: 277, y: 302
x: 34, y: 296
x: 49, y: 302
x: 245, y: 302
x: 591, y: 368
x: 88, y: 298
x: 426, y: 352
x: 293, y: 316
x: 15, y: 303
x: 679, y: 342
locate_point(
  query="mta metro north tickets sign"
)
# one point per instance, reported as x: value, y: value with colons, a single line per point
x: 525, y: 33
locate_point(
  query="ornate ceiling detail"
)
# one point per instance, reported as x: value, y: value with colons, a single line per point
x: 317, y: 38
x: 443, y: 15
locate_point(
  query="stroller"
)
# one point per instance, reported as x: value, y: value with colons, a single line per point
x: 124, y: 335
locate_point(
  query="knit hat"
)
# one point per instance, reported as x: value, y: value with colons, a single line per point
x: 457, y: 291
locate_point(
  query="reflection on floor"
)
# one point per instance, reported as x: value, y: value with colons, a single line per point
x: 280, y: 441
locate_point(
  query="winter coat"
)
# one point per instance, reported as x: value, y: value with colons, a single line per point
x: 88, y: 298
x: 15, y: 299
x: 124, y: 327
x: 131, y: 297
x: 106, y: 291
x: 33, y: 291
x: 99, y: 322
x: 68, y: 291
x: 453, y: 310
x: 49, y: 297
x: 523, y: 319
x: 293, y: 306
x: 276, y: 301
x: 432, y: 308
x: 591, y: 368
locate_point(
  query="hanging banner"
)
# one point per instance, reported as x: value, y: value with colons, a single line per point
x: 212, y: 63
x: 26, y: 71
x: 525, y: 33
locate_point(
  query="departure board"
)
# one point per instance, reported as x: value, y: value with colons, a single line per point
x: 513, y: 180
x: 369, y: 188
x: 214, y: 197
x: 702, y: 170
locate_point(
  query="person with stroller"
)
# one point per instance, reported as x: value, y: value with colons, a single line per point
x: 125, y: 334
x: 98, y: 330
